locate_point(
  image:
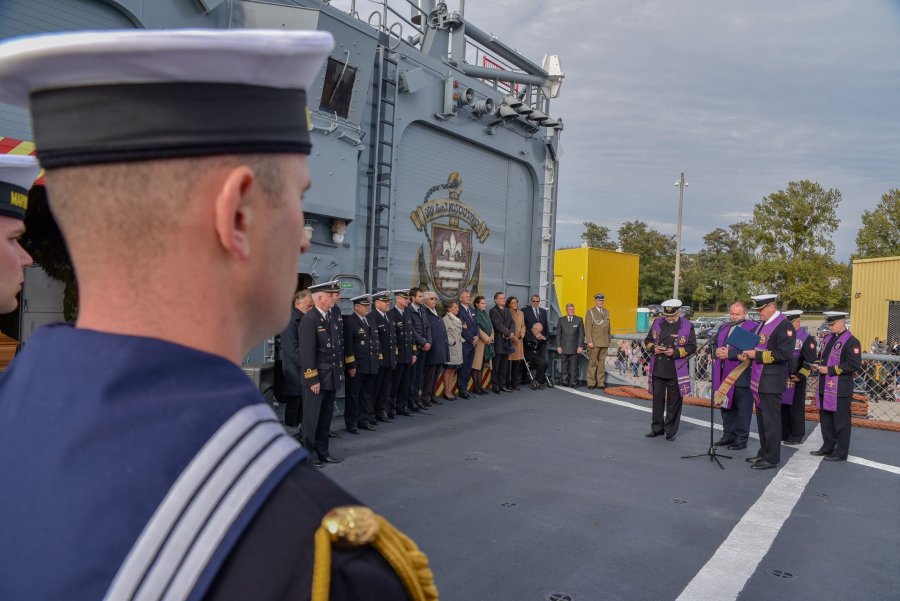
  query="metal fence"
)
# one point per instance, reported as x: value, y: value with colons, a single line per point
x: 877, y: 384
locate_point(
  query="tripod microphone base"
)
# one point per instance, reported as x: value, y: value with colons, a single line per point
x: 712, y: 454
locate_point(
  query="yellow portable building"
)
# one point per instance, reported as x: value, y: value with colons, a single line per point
x: 580, y: 273
x: 875, y: 299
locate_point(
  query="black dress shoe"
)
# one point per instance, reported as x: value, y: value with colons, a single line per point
x: 670, y: 437
x: 653, y: 434
x: 465, y: 395
x: 495, y: 390
x: 316, y: 463
x: 330, y: 459
x: 405, y: 412
x: 436, y: 402
x: 835, y: 458
x: 332, y: 434
x: 367, y: 427
x: 820, y: 453
x: 723, y: 442
x: 763, y: 465
x: 753, y: 459
x: 506, y: 389
x: 384, y: 418
x: 392, y: 414
x: 737, y: 446
x: 353, y: 430
x: 792, y: 442
x: 514, y: 387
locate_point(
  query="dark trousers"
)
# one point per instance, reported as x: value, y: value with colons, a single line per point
x: 358, y: 408
x: 515, y: 373
x: 465, y: 370
x: 768, y: 421
x: 736, y: 421
x: 292, y: 410
x: 415, y: 379
x: 568, y: 368
x: 793, y: 416
x: 538, y: 362
x: 666, y: 400
x: 836, y: 428
x: 429, y: 381
x: 318, y: 410
x: 384, y: 402
x: 499, y: 368
x: 400, y: 387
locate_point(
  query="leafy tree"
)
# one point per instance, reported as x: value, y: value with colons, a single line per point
x: 791, y: 234
x: 723, y: 266
x: 657, y: 253
x: 879, y: 235
x: 597, y: 236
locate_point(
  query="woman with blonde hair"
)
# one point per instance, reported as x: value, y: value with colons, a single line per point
x: 454, y: 344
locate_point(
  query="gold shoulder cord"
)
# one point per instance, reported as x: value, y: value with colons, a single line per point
x: 355, y: 526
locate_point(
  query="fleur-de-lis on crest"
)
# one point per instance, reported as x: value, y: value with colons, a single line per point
x: 452, y: 248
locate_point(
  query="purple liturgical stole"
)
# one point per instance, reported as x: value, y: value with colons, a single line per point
x: 764, y: 334
x: 723, y: 367
x: 787, y: 397
x: 828, y: 401
x: 682, y: 369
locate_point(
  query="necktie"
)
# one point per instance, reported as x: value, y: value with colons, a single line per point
x: 536, y: 314
x: 365, y: 322
x: 570, y: 320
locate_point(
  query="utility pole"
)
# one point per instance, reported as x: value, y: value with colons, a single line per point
x: 680, y: 184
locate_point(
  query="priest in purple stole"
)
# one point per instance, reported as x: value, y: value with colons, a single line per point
x: 840, y: 358
x: 671, y: 341
x: 733, y: 376
x: 768, y: 377
x: 793, y: 400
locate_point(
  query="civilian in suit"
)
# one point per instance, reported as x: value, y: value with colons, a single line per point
x: 484, y: 349
x: 536, y: 352
x: 422, y: 337
x: 363, y: 362
x: 839, y: 360
x: 437, y: 355
x: 469, y: 340
x: 454, y: 343
x: 570, y: 337
x: 535, y: 313
x: 406, y: 353
x: 502, y: 322
x: 770, y: 362
x: 323, y: 373
x: 290, y: 353
x: 385, y: 410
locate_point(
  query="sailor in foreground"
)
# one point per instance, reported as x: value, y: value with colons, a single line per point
x: 17, y: 174
x: 840, y: 358
x: 731, y: 381
x: 770, y: 362
x: 671, y: 341
x: 793, y: 400
x: 137, y: 460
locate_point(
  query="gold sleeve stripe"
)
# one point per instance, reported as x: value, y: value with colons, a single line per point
x: 682, y: 353
x: 805, y: 372
x: 837, y: 370
x: 767, y: 357
x: 349, y: 359
x: 309, y: 374
x: 648, y: 345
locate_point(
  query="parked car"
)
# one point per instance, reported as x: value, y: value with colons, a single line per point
x: 709, y: 326
x: 686, y: 311
x: 655, y: 310
x: 823, y: 328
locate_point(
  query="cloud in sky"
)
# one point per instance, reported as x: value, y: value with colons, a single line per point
x: 743, y: 98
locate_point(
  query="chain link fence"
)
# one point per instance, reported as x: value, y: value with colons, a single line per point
x: 876, y: 391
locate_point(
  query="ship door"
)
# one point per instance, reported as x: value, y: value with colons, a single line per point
x: 304, y: 281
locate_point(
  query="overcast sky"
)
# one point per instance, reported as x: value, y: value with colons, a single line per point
x: 741, y: 96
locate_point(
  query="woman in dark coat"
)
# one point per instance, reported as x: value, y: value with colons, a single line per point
x: 484, y: 350
x: 439, y: 353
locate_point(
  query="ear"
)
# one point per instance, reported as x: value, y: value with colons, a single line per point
x: 234, y: 212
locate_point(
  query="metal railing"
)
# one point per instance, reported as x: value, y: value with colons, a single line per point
x: 877, y: 384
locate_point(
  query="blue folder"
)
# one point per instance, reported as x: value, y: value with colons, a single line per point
x: 742, y: 340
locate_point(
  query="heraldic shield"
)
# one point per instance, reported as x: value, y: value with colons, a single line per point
x: 451, y: 259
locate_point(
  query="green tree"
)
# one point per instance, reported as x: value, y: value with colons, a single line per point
x: 790, y: 234
x: 879, y: 235
x: 657, y: 253
x: 597, y: 236
x: 723, y: 267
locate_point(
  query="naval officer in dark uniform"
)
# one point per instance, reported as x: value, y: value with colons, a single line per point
x: 838, y: 362
x: 322, y: 365
x: 769, y: 365
x: 17, y: 174
x: 385, y: 410
x: 793, y: 402
x: 363, y: 357
x: 184, y: 226
x: 407, y: 356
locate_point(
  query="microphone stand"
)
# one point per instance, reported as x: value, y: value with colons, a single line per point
x: 711, y: 453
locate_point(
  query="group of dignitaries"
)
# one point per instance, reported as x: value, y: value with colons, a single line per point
x: 766, y: 367
x: 392, y: 359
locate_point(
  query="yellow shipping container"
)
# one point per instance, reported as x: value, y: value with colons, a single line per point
x: 580, y: 273
x: 874, y: 294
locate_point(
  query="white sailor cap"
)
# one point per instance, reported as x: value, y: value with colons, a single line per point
x: 383, y: 295
x: 404, y: 293
x: 761, y: 300
x: 671, y: 306
x: 130, y: 95
x: 793, y: 314
x: 331, y: 286
x: 833, y: 316
x: 362, y: 299
x: 17, y: 173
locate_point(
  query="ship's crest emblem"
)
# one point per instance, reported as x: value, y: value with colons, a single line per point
x: 451, y: 228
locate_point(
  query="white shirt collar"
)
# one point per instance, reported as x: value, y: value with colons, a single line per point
x: 768, y: 321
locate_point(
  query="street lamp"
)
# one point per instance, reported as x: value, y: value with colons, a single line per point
x: 680, y: 184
